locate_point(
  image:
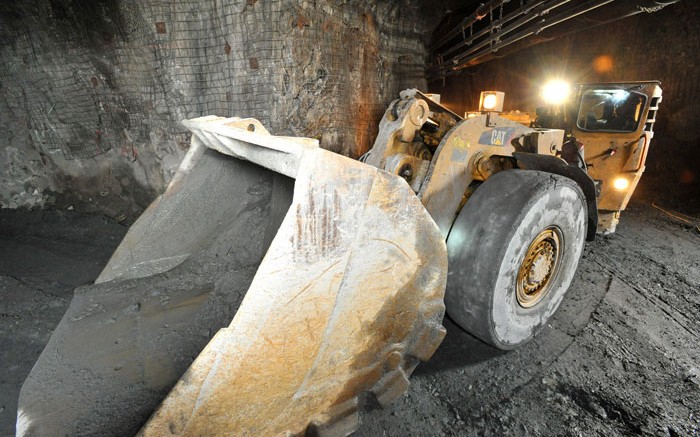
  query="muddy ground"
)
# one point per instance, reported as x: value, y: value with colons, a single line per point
x: 621, y: 357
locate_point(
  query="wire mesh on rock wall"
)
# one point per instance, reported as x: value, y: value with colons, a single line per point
x: 124, y: 77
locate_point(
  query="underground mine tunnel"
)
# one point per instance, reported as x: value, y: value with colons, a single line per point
x: 402, y: 219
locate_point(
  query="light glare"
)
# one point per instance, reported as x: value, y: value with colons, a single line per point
x: 555, y: 92
x: 619, y: 95
x: 490, y: 101
x: 621, y: 184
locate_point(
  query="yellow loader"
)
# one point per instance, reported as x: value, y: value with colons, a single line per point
x: 274, y: 282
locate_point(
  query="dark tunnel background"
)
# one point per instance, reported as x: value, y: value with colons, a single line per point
x: 93, y: 92
x: 649, y: 46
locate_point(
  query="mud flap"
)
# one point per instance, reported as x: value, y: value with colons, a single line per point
x: 348, y: 298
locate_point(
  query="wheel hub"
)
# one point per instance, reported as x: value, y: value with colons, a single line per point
x: 539, y: 267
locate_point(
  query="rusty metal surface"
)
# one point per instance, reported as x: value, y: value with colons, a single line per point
x: 347, y: 299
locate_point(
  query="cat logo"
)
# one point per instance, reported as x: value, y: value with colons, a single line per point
x: 498, y: 137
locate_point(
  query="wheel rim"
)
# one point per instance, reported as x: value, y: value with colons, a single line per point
x: 539, y: 267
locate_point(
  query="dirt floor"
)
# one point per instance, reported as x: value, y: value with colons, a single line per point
x: 621, y: 356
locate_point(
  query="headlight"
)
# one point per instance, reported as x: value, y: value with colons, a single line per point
x: 491, y: 101
x: 556, y: 92
x: 621, y: 184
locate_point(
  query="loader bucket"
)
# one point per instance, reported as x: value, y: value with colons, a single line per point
x: 341, y: 274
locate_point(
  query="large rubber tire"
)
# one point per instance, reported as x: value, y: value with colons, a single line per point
x: 502, y: 222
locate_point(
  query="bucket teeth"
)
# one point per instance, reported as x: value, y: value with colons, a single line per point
x: 428, y: 340
x: 391, y: 387
x: 345, y: 420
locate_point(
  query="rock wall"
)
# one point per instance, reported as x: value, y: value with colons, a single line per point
x: 92, y: 92
x: 650, y: 46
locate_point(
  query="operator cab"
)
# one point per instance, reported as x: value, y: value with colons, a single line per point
x: 615, y: 122
x: 610, y: 110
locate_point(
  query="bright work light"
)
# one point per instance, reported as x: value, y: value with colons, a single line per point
x: 556, y: 92
x: 491, y: 101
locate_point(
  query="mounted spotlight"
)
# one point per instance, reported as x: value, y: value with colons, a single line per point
x: 491, y: 101
x: 556, y: 92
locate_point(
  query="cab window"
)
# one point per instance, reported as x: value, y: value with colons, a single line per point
x: 610, y: 110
